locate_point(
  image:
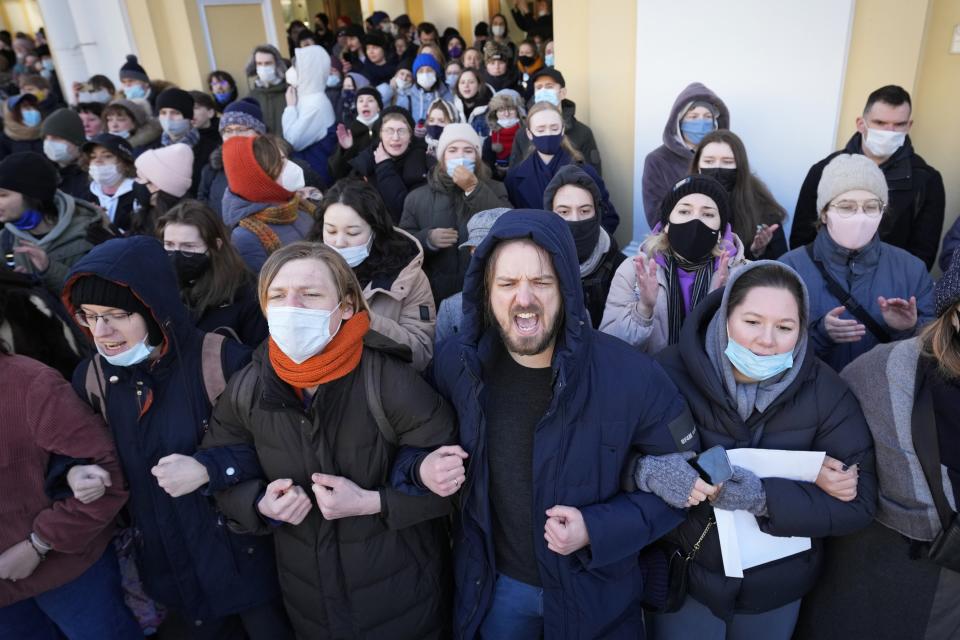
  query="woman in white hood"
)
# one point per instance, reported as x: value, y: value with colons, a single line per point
x: 309, y: 120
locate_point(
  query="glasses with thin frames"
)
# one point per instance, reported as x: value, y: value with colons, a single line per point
x: 847, y: 208
x: 115, y: 318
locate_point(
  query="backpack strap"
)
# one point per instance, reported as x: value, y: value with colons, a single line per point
x: 847, y: 300
x: 243, y: 391
x: 925, y: 440
x: 214, y: 381
x: 95, y: 385
x: 371, y: 382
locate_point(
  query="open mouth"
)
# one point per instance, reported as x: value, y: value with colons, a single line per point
x: 113, y: 348
x: 527, y: 323
x: 366, y: 113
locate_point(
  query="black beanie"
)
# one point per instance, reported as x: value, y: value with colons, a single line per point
x: 697, y: 184
x: 132, y: 70
x: 174, y: 98
x: 29, y: 174
x: 99, y: 291
x: 371, y: 91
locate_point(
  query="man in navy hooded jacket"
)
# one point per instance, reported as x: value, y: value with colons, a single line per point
x: 551, y: 413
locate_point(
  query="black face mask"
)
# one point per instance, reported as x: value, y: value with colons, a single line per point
x: 189, y: 266
x: 585, y: 236
x: 693, y: 241
x: 726, y: 177
x: 526, y: 60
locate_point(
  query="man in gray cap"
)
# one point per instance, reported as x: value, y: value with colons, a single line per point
x: 450, y: 314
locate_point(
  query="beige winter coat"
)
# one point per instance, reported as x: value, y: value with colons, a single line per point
x: 406, y: 312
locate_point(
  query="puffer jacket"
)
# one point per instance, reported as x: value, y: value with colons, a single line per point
x: 378, y: 576
x: 64, y: 244
x: 586, y: 439
x: 187, y: 557
x: 816, y: 411
x: 402, y: 308
x: 879, y: 269
x: 435, y: 206
x: 621, y: 316
x: 669, y: 162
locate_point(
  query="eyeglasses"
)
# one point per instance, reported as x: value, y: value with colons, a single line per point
x: 400, y: 133
x: 89, y: 320
x: 847, y: 208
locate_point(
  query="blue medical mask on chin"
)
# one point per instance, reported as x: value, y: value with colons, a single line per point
x: 28, y: 221
x: 134, y: 355
x: 696, y: 130
x: 453, y: 163
x: 756, y: 367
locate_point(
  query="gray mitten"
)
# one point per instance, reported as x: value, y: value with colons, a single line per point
x: 744, y: 491
x: 669, y: 477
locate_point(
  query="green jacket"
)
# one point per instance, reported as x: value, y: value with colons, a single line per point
x: 273, y: 100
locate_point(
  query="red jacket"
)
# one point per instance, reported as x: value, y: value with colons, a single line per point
x: 41, y: 414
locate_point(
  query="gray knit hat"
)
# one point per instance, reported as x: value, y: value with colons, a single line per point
x: 848, y: 172
x: 947, y: 290
x: 480, y: 224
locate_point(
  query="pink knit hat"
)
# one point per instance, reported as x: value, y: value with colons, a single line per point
x: 169, y: 168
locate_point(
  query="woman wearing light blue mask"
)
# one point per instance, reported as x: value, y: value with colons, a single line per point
x: 21, y: 125
x: 459, y: 186
x: 154, y: 383
x: 387, y: 261
x: 750, y: 381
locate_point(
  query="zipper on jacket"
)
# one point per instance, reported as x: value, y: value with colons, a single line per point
x: 139, y: 397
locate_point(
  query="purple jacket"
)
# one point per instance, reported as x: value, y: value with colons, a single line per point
x: 669, y: 162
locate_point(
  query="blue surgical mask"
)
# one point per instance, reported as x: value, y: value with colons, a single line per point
x: 451, y: 79
x: 134, y: 355
x: 546, y: 95
x: 333, y: 80
x: 355, y: 256
x: 31, y: 117
x: 175, y: 128
x: 453, y: 163
x: 756, y: 367
x: 135, y: 92
x: 696, y: 130
x: 548, y: 59
x: 47, y: 64
x: 121, y: 134
x: 221, y: 98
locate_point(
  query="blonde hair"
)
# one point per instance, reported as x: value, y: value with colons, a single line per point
x: 566, y: 144
x: 941, y: 340
x: 349, y: 290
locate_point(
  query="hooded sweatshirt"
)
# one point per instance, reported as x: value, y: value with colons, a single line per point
x: 310, y: 119
x: 669, y: 162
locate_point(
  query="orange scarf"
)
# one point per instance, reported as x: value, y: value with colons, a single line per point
x: 340, y: 357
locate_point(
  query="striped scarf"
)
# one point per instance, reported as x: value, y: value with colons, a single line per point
x: 676, y: 309
x: 259, y: 223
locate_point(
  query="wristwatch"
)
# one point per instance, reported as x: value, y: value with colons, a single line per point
x: 41, y: 547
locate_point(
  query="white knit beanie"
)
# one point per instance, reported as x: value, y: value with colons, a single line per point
x: 170, y: 168
x: 848, y: 172
x: 458, y: 131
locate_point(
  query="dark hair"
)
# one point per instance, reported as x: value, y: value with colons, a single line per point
x: 324, y: 18
x: 391, y: 250
x: 489, y: 318
x: 506, y: 25
x: 428, y: 27
x: 751, y: 200
x: 221, y: 75
x: 451, y: 38
x: 102, y: 82
x: 227, y: 274
x: 95, y: 108
x: 773, y: 275
x: 203, y: 99
x: 126, y: 165
x: 891, y: 94
x: 46, y: 208
x: 27, y: 99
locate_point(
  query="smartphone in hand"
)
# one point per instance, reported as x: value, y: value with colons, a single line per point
x: 713, y: 465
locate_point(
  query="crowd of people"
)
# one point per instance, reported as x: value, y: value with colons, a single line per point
x: 349, y: 349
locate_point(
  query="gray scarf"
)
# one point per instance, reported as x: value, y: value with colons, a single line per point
x: 754, y: 396
x: 599, y: 250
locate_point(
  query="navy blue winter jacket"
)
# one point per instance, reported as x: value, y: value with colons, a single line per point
x: 187, y: 557
x: 609, y: 403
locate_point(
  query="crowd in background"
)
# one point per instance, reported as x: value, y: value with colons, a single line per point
x: 358, y: 355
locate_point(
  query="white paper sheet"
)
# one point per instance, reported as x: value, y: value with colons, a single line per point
x: 742, y: 544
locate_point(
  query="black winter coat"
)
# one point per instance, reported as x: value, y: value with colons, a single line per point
x: 817, y: 412
x: 596, y: 286
x: 242, y: 319
x: 76, y: 182
x: 380, y: 576
x: 916, y: 201
x: 396, y: 177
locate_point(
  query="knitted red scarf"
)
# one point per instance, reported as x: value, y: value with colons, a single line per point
x: 340, y: 357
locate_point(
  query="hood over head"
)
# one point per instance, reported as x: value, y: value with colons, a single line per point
x: 694, y: 92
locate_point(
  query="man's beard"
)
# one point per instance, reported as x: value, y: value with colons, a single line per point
x: 527, y: 345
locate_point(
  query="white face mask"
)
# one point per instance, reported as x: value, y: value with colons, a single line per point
x: 402, y: 85
x: 426, y: 80
x: 498, y: 30
x: 106, y: 175
x: 506, y: 123
x: 883, y: 143
x: 57, y: 151
x: 355, y: 255
x: 102, y: 96
x: 291, y: 177
x: 368, y: 120
x: 267, y: 74
x: 852, y: 233
x: 300, y: 333
x: 121, y: 134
